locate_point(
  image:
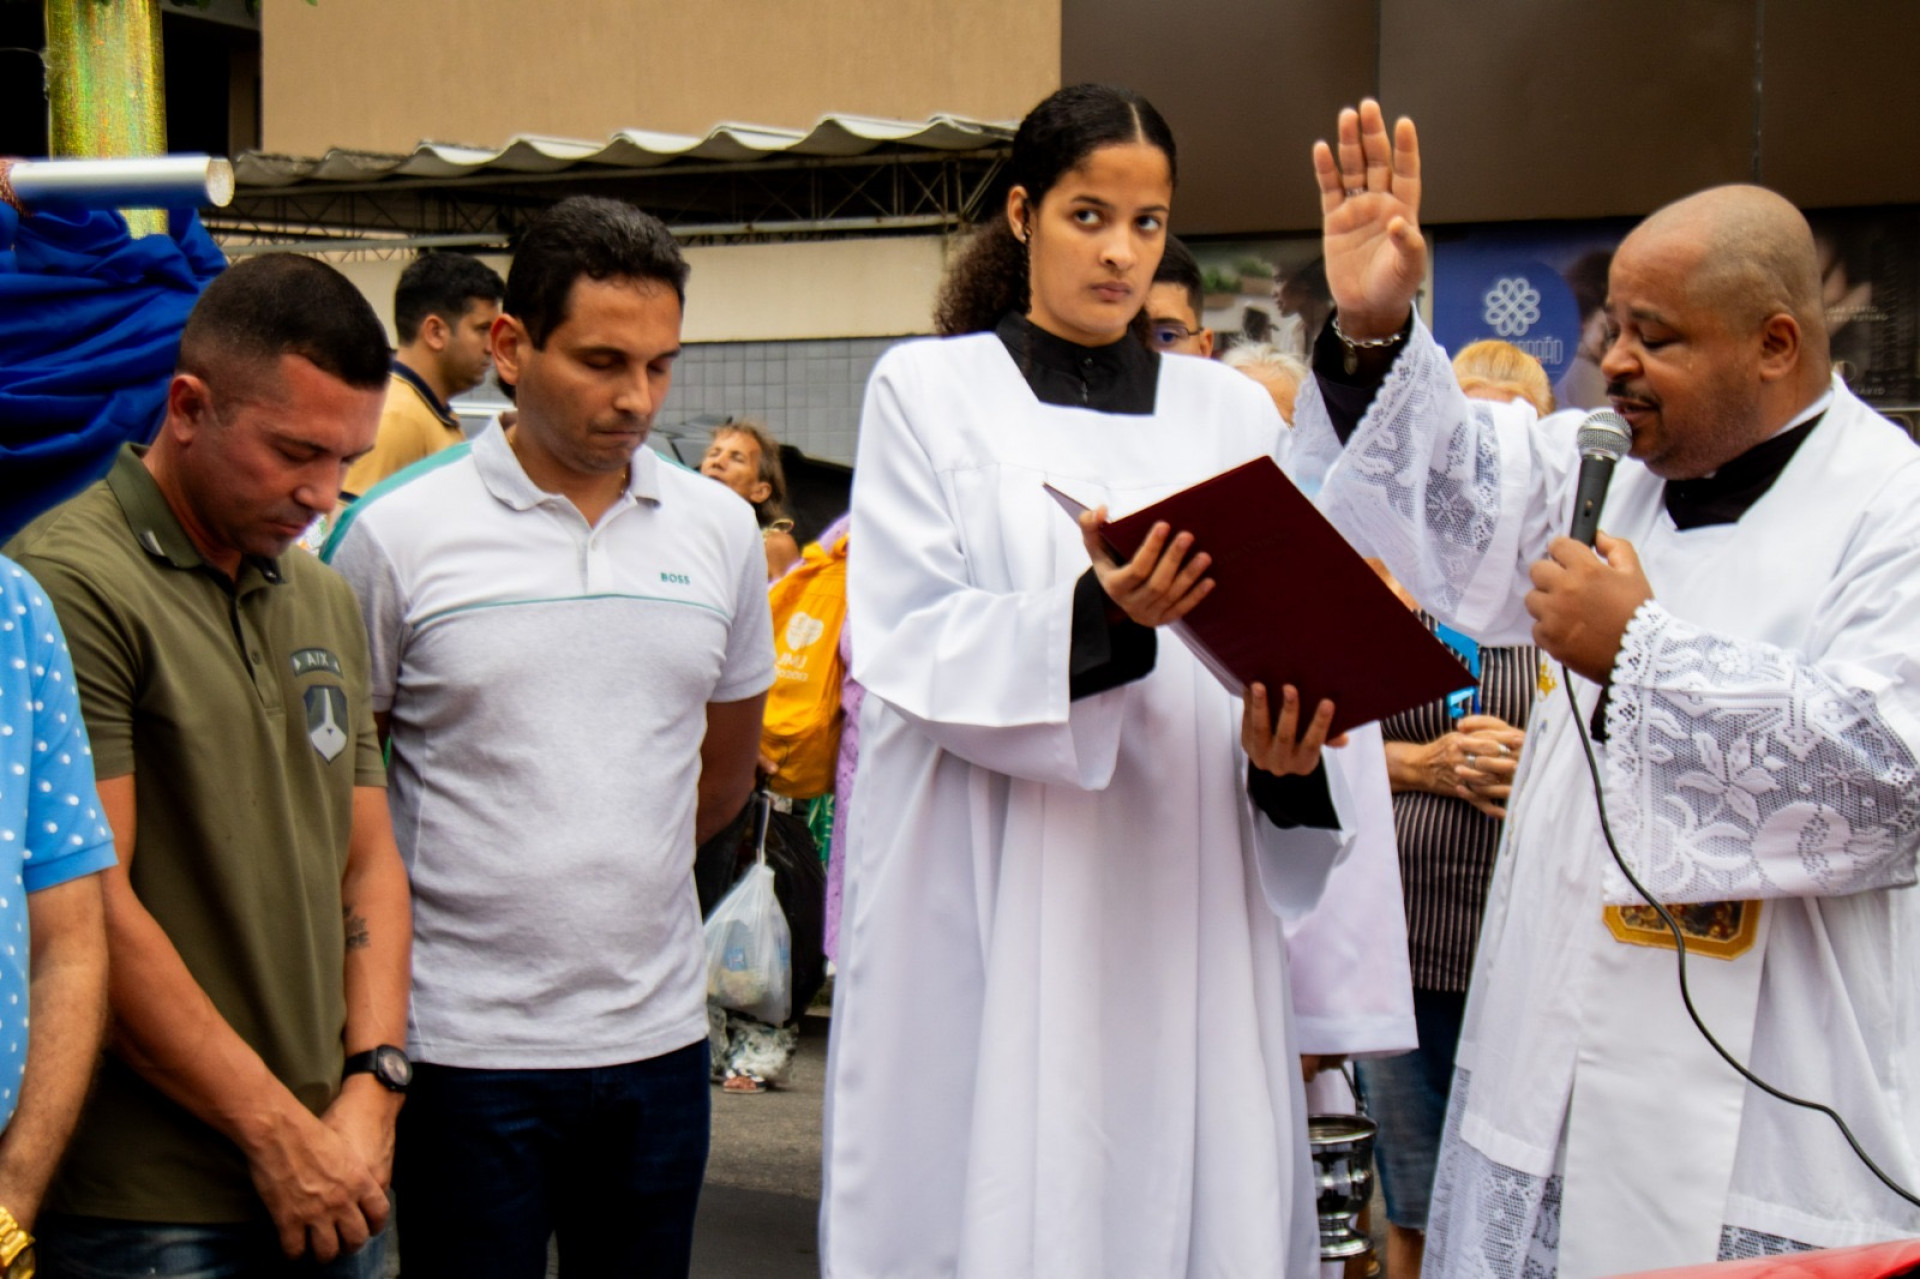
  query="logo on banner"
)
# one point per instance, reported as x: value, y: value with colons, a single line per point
x: 1511, y: 306
x: 1493, y: 287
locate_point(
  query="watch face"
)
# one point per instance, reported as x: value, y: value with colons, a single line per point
x: 391, y: 1067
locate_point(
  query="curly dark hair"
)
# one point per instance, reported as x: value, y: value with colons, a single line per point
x: 988, y: 277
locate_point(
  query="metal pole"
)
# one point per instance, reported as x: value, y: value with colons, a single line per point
x: 106, y: 84
x: 163, y: 182
x: 355, y: 244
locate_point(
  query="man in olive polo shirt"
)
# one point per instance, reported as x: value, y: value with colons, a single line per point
x: 258, y: 921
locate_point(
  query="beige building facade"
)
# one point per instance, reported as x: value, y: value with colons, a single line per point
x: 785, y: 331
x: 381, y: 75
x: 765, y: 292
x: 1527, y: 115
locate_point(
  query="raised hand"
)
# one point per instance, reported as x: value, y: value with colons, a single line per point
x: 1370, y: 207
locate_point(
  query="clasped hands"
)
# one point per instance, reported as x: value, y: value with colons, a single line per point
x: 323, y: 1178
x: 1475, y: 762
x: 1162, y: 583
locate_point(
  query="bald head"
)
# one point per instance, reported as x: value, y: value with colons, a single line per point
x: 1715, y: 334
x: 1755, y: 259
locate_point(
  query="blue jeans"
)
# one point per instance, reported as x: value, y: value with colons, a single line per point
x: 490, y: 1163
x: 106, y: 1248
x: 1407, y: 1097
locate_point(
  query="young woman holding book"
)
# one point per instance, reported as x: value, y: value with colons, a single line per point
x: 1061, y: 1029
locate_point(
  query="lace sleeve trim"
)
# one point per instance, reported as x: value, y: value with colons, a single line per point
x: 1625, y: 766
x: 1736, y: 771
x: 1442, y: 497
x: 1489, y: 1219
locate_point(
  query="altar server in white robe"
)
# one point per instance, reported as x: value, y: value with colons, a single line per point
x: 1347, y: 957
x: 1062, y: 1044
x: 1747, y: 642
x: 1351, y: 978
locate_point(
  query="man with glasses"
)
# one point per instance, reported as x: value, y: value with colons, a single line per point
x: 1174, y: 304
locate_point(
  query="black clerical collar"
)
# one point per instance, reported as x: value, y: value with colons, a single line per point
x: 1120, y: 377
x: 1726, y: 495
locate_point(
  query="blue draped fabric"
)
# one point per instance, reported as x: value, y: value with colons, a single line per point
x: 90, y: 322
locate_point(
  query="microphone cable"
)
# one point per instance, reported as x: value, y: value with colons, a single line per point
x: 1680, y: 953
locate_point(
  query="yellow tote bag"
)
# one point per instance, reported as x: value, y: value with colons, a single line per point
x: 802, y: 729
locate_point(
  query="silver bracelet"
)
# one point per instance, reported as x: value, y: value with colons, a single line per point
x: 1366, y: 344
x: 1350, y: 356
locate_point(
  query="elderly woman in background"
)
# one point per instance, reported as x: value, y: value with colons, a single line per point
x: 1281, y: 374
x: 745, y: 457
x: 1451, y: 765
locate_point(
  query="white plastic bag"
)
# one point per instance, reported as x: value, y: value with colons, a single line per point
x: 749, y: 951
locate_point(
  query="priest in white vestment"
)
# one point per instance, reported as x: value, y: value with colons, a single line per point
x: 1749, y: 652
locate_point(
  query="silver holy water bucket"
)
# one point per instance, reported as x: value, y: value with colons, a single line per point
x: 1342, y: 1147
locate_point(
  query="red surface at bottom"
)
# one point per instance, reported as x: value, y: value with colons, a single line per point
x: 1874, y: 1261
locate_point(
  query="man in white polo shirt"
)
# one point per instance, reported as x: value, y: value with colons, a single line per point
x: 571, y: 647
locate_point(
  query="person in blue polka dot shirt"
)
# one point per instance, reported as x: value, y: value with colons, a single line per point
x: 53, y: 941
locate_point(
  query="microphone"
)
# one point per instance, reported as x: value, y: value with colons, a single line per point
x: 1603, y: 439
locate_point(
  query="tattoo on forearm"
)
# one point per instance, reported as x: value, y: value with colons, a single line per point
x: 356, y: 925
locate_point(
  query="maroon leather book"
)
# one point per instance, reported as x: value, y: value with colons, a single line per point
x: 1292, y: 602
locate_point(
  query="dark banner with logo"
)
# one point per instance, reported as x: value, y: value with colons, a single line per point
x: 1870, y: 281
x: 1542, y: 286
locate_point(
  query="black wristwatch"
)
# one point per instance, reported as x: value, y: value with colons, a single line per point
x: 386, y: 1063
